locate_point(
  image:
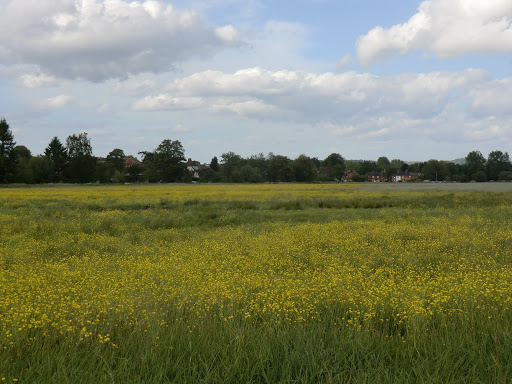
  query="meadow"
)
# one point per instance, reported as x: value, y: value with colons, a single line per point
x: 282, y: 283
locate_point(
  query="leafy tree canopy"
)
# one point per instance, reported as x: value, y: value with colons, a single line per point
x: 79, y: 146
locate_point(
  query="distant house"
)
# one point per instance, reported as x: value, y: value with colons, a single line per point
x: 193, y: 167
x: 376, y: 177
x: 129, y: 161
x: 349, y: 174
x: 404, y: 176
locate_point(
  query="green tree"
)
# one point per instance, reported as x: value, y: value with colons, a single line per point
x: 335, y: 164
x: 475, y: 162
x: 58, y: 156
x: 259, y: 162
x: 134, y: 173
x: 170, y: 161
x: 280, y: 169
x: 20, y: 151
x: 104, y: 172
x: 396, y: 164
x: 435, y: 170
x: 353, y: 165
x: 383, y: 163
x: 230, y: 163
x: 116, y: 157
x: 82, y: 165
x: 480, y: 176
x: 497, y: 162
x: 23, y: 171
x: 208, y: 175
x: 248, y: 174
x: 214, y: 164
x: 7, y: 155
x: 305, y: 169
x: 367, y: 166
x: 34, y: 170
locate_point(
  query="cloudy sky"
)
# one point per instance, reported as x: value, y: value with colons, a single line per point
x: 405, y: 79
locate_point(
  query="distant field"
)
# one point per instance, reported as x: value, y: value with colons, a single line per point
x: 341, y: 283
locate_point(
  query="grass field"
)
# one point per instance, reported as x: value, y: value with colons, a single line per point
x: 256, y: 284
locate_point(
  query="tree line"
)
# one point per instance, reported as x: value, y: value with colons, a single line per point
x: 73, y: 162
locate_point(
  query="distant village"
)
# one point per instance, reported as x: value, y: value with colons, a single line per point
x: 73, y: 161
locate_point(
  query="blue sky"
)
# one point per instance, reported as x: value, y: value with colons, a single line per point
x: 406, y: 79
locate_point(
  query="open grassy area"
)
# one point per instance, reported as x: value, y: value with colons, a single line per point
x: 256, y: 283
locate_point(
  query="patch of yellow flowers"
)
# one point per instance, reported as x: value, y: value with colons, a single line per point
x: 87, y: 272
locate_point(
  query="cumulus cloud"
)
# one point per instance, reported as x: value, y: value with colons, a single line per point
x: 308, y: 95
x: 446, y: 28
x: 492, y: 98
x: 55, y: 102
x: 349, y: 104
x: 102, y: 39
x: 167, y: 102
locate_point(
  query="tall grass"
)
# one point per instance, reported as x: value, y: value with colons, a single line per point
x: 284, y: 283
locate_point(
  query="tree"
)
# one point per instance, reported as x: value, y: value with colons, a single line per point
x: 230, y: 162
x: 396, y: 163
x: 170, y: 161
x: 305, y: 169
x: 134, y: 174
x: 280, y: 169
x: 367, y: 166
x: 435, y: 170
x: 58, y: 156
x: 214, y: 164
x: 82, y: 163
x: 353, y: 165
x: 116, y: 158
x: 333, y: 159
x: 20, y: 151
x: 104, y: 173
x: 497, y: 162
x: 383, y: 163
x: 259, y: 162
x: 475, y: 162
x: 208, y: 175
x: 7, y: 155
x: 79, y: 146
x: 23, y: 171
x: 335, y: 163
x: 34, y: 170
x: 248, y: 174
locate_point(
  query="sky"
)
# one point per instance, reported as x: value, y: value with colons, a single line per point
x: 410, y: 80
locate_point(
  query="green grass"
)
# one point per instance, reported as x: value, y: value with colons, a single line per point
x: 473, y: 347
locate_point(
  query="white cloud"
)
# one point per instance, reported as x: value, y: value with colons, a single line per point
x: 133, y: 88
x: 340, y: 130
x: 228, y: 33
x: 359, y: 106
x: 308, y: 96
x: 445, y: 27
x: 493, y: 98
x: 254, y: 108
x: 102, y: 39
x: 181, y: 129
x: 166, y: 102
x: 55, y: 102
x: 36, y: 81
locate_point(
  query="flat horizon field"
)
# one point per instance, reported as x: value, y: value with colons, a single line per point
x: 270, y: 283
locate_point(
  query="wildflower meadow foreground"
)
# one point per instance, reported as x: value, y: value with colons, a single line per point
x: 256, y: 284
